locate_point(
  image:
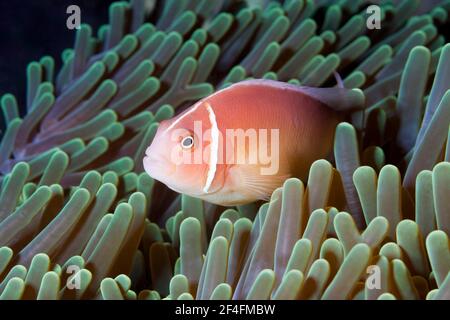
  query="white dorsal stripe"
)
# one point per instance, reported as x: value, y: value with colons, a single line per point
x: 214, y: 148
x: 194, y: 107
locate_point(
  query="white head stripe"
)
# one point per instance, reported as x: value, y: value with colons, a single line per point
x: 214, y: 148
x: 194, y: 107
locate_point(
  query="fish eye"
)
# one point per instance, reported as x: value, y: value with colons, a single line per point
x: 187, y: 142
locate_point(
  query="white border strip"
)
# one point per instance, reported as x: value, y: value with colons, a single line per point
x: 214, y: 149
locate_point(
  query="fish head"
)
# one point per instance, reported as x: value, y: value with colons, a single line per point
x: 179, y: 155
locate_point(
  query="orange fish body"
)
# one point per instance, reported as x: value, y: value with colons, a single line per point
x: 240, y: 144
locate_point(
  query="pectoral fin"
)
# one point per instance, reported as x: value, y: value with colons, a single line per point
x: 251, y: 182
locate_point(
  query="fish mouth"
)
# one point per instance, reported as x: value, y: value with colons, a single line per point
x: 162, y: 170
x: 158, y: 168
x: 148, y: 152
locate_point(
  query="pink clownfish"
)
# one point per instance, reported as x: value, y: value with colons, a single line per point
x: 239, y: 144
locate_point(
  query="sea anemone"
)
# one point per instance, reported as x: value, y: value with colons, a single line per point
x: 79, y: 219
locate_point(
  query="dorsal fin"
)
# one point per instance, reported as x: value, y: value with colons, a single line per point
x: 338, y: 99
x: 339, y: 81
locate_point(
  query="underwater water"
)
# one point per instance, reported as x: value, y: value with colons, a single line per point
x: 81, y: 219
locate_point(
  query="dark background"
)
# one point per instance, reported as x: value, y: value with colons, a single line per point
x: 32, y: 29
